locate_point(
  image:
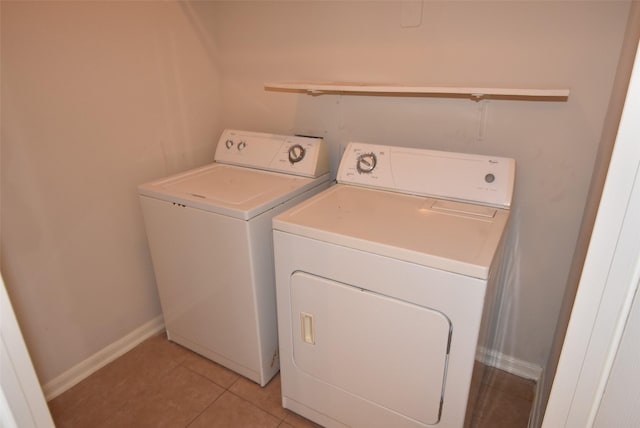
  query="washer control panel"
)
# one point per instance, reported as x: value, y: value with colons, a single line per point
x: 292, y: 154
x: 487, y: 180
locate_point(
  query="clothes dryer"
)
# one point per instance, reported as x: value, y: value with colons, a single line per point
x: 210, y: 238
x: 385, y: 286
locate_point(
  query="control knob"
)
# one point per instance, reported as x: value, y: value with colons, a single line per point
x: 366, y: 163
x: 228, y: 143
x: 296, y: 153
x: 241, y: 145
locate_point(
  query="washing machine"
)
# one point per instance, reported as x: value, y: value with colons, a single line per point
x: 386, y: 284
x: 211, y: 244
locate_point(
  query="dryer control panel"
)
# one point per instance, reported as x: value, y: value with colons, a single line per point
x: 486, y: 180
x: 305, y: 156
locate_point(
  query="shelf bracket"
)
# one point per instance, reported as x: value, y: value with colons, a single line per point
x: 482, y: 119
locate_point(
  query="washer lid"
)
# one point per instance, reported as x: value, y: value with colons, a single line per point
x: 230, y: 190
x: 452, y: 236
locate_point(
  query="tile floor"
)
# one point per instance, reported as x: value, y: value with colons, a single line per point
x: 161, y: 384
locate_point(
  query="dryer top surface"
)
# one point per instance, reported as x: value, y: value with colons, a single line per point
x: 453, y: 236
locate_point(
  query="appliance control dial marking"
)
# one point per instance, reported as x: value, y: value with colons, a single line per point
x: 366, y: 162
x: 296, y: 153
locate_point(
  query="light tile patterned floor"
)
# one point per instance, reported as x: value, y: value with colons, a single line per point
x: 161, y: 384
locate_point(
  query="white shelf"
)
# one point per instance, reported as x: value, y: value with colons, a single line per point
x: 475, y: 93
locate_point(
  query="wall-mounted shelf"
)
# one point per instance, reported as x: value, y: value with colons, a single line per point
x: 474, y: 93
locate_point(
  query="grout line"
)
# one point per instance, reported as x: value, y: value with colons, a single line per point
x: 258, y: 407
x: 234, y: 382
x: 224, y: 388
x: 206, y: 407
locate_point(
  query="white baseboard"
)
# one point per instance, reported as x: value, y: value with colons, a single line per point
x: 80, y: 371
x: 509, y: 364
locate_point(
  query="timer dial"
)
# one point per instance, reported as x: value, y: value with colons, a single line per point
x: 366, y: 163
x: 296, y: 153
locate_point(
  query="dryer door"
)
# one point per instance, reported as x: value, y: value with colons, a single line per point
x: 385, y: 351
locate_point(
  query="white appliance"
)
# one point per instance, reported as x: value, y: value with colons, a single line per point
x: 383, y: 282
x: 209, y: 233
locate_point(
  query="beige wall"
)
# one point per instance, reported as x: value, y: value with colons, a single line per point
x: 507, y: 44
x: 96, y: 98
x: 603, y: 157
